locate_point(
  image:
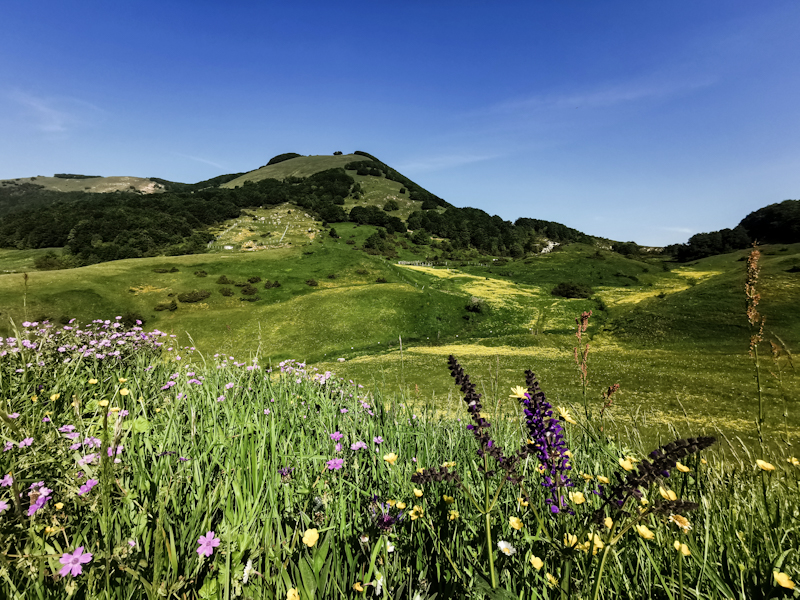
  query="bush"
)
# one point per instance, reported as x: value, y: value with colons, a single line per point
x: 381, y: 280
x: 201, y: 274
x: 166, y: 306
x: 223, y: 280
x: 332, y: 276
x: 132, y: 319
x: 226, y: 291
x: 391, y: 205
x: 567, y: 289
x: 475, y: 305
x: 337, y: 153
x: 255, y: 279
x: 333, y: 233
x: 350, y: 242
x: 250, y: 299
x: 312, y: 282
x: 193, y: 296
x: 249, y: 290
x: 362, y: 271
x: 282, y: 157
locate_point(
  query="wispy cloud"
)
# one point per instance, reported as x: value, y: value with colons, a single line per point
x: 601, y: 96
x: 443, y: 161
x: 54, y: 114
x: 678, y: 229
x: 202, y: 160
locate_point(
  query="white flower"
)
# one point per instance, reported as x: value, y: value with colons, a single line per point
x: 248, y: 567
x: 506, y: 548
x: 389, y: 546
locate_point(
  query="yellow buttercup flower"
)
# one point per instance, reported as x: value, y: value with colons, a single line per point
x: 59, y: 505
x: 667, y: 494
x: 681, y: 467
x: 764, y: 465
x: 358, y: 587
x: 551, y: 580
x: 452, y: 515
x: 122, y: 380
x: 682, y: 548
x: 517, y: 392
x: 34, y: 399
x: 103, y: 403
x: 420, y: 470
x: 93, y: 381
x: 515, y: 523
x: 416, y: 512
x: 449, y: 464
x: 401, y: 505
x: 124, y: 392
x: 310, y: 537
x: 577, y: 497
x: 603, y: 479
x: 564, y: 414
x: 537, y: 562
x: 390, y: 458
x: 608, y: 522
x: 783, y: 580
x: 448, y: 499
x: 587, y: 477
x: 793, y: 461
x: 645, y: 532
x: 292, y: 594
x: 522, y: 502
x: 418, y: 493
x: 625, y: 464
x: 55, y: 397
x: 570, y: 540
x: 391, y: 502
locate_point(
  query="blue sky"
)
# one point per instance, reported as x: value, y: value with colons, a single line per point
x: 644, y: 121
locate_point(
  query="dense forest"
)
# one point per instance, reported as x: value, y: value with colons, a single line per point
x: 774, y: 224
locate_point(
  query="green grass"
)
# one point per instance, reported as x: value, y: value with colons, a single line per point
x: 203, y: 456
x: 674, y: 339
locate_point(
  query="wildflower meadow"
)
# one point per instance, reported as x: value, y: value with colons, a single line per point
x: 132, y: 468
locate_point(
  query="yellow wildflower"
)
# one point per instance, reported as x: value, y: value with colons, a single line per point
x: 681, y: 522
x: 292, y: 594
x: 115, y: 409
x: 103, y: 403
x: 518, y: 392
x: 782, y: 579
x: 124, y: 392
x: 416, y: 512
x: 358, y: 587
x: 401, y: 505
x: 59, y: 505
x: 587, y: 477
x: 793, y: 461
x: 453, y: 515
x: 537, y: 562
x: 418, y: 493
x: 625, y: 464
x: 703, y: 461
x: 391, y: 502
x: 448, y: 499
x: 551, y: 580
x: 522, y: 502
x: 515, y: 523
x: 449, y: 464
x: 93, y: 381
x: 603, y: 479
x: 570, y: 540
x: 595, y: 545
x: 681, y: 467
x: 122, y: 380
x: 667, y: 494
x: 55, y: 397
x: 34, y: 399
x: 420, y: 470
x: 645, y: 532
x: 764, y: 465
x: 608, y: 522
x: 564, y: 414
x: 310, y: 537
x: 682, y: 548
x: 577, y: 497
x: 390, y: 458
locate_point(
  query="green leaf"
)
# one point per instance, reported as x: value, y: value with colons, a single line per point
x: 321, y: 553
x: 140, y: 424
x: 309, y: 580
x: 210, y: 589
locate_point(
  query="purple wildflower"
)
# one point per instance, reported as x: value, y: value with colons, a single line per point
x: 13, y: 415
x: 207, y: 544
x: 378, y: 440
x: 358, y: 446
x: 73, y: 563
x: 26, y: 442
x: 87, y: 487
x: 338, y: 447
x: 6, y: 481
x: 335, y: 464
x: 336, y: 436
x: 4, y: 506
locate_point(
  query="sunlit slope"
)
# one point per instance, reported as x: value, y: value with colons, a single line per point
x: 301, y: 166
x: 95, y: 185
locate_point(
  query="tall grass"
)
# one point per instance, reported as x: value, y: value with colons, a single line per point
x: 305, y: 483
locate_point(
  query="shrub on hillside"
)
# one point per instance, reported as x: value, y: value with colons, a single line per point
x: 250, y: 299
x: 282, y: 157
x: 391, y: 205
x: 132, y: 319
x: 567, y: 289
x: 223, y: 280
x: 201, y: 274
x: 249, y: 290
x: 312, y: 282
x: 226, y: 291
x: 254, y: 279
x: 166, y: 306
x: 193, y: 296
x: 381, y: 280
